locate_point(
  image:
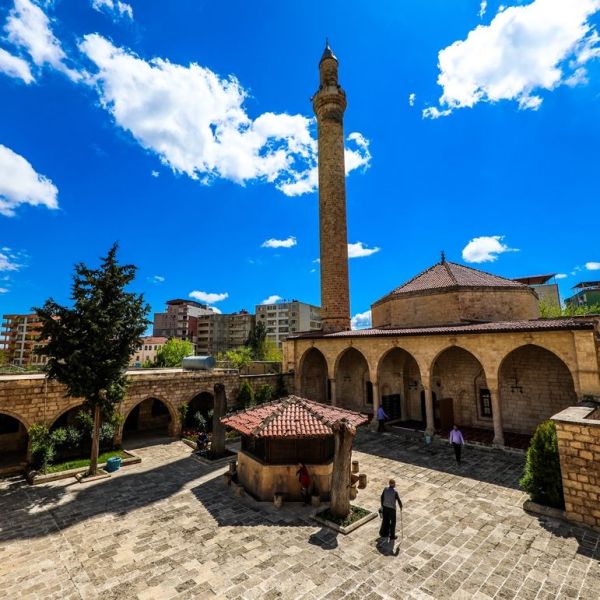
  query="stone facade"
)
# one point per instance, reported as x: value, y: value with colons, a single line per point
x: 520, y: 377
x: 578, y: 432
x: 329, y: 104
x: 441, y: 307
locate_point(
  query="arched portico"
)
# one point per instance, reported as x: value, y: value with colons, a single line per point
x: 14, y: 441
x: 150, y: 416
x: 534, y: 384
x: 400, y: 386
x: 462, y: 395
x: 313, y: 376
x: 354, y: 389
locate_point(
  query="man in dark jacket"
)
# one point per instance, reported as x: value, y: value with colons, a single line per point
x: 389, y: 497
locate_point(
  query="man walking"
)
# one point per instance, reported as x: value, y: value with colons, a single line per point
x: 389, y: 497
x: 381, y: 417
x: 457, y: 440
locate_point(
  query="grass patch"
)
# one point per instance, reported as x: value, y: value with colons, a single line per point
x: 356, y: 513
x: 78, y: 463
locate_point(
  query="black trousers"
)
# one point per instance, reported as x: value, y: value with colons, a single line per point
x: 457, y: 451
x: 381, y: 426
x: 388, y: 523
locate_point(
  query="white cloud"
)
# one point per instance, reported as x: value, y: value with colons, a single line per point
x: 411, y: 99
x: 317, y: 260
x: 561, y: 276
x: 592, y: 266
x: 358, y: 250
x: 20, y: 184
x: 156, y: 279
x: 273, y: 243
x: 3, y: 290
x: 196, y: 122
x: 114, y: 8
x: 208, y: 297
x: 361, y: 320
x: 272, y: 299
x: 7, y: 262
x: 16, y: 67
x: 155, y: 174
x: 482, y: 8
x: 525, y: 48
x: 485, y: 249
x: 28, y: 27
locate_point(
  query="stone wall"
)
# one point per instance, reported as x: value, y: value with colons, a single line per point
x: 420, y: 309
x: 579, y: 449
x: 257, y: 381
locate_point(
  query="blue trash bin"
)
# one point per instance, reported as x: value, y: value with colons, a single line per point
x: 113, y: 464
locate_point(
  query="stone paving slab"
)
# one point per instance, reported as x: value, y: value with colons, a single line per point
x: 169, y: 528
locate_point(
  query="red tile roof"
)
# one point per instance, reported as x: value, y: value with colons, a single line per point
x: 449, y: 275
x: 291, y: 417
x: 558, y: 324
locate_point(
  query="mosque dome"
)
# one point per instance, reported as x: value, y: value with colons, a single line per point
x: 448, y: 294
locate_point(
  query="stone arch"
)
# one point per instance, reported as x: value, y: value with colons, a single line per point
x: 399, y: 379
x: 314, y: 376
x: 460, y: 385
x: 14, y: 439
x: 351, y: 380
x: 202, y: 402
x: 534, y: 384
x: 151, y: 415
x: 56, y: 421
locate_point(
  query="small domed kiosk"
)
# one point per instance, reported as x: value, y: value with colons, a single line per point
x: 279, y: 435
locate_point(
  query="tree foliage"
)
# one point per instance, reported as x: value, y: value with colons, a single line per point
x: 173, y: 352
x: 280, y: 388
x: 550, y: 310
x: 245, y: 396
x: 264, y: 394
x: 89, y: 344
x: 256, y: 339
x: 542, y: 477
x: 237, y: 358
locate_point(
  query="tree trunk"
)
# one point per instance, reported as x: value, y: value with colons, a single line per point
x: 218, y: 430
x: 95, y: 441
x: 340, y: 479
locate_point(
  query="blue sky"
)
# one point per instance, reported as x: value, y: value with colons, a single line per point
x: 184, y: 130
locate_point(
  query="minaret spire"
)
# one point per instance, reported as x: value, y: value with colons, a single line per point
x: 329, y: 104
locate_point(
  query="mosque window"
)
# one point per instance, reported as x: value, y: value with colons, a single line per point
x: 485, y: 403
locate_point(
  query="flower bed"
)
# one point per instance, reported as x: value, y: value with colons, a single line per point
x: 357, y: 517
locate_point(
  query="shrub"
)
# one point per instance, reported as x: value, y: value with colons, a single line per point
x: 42, y: 447
x: 264, y: 394
x: 281, y: 389
x: 245, y: 396
x: 542, y: 478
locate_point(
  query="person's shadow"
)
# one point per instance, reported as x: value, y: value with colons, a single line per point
x: 324, y: 538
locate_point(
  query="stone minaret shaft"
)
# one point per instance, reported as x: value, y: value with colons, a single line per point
x: 329, y: 104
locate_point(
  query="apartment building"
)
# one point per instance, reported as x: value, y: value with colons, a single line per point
x: 587, y: 294
x: 544, y: 286
x: 180, y: 320
x: 19, y: 339
x: 219, y: 333
x: 146, y: 351
x: 286, y: 317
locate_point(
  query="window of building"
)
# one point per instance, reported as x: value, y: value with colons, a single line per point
x: 485, y: 403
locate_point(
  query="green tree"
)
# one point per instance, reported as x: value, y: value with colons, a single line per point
x: 542, y: 478
x: 237, y: 358
x: 550, y: 310
x: 280, y: 388
x: 264, y: 394
x: 256, y: 340
x: 270, y: 352
x: 173, y: 353
x: 245, y: 395
x: 90, y: 343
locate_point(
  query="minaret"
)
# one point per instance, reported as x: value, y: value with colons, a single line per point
x: 329, y: 104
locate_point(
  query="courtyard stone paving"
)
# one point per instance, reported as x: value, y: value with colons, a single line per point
x: 168, y: 528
